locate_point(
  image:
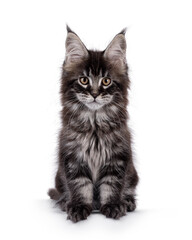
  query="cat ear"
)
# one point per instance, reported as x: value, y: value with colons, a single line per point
x: 115, y: 53
x: 75, y: 49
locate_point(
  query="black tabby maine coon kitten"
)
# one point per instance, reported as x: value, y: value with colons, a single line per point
x: 95, y: 167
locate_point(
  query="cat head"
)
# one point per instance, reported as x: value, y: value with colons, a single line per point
x: 95, y: 79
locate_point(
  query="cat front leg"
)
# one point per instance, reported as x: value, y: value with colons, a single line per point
x: 80, y: 188
x: 111, y: 184
x: 131, y: 182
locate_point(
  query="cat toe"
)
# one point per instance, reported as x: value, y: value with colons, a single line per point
x: 131, y: 204
x: 114, y: 211
x: 78, y: 212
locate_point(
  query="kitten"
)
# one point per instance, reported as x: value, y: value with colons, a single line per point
x: 95, y: 167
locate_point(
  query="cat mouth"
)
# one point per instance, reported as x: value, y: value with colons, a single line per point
x: 94, y: 105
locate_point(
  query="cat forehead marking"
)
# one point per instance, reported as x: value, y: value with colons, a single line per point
x: 95, y: 80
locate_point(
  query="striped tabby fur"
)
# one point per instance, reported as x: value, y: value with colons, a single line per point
x: 95, y: 167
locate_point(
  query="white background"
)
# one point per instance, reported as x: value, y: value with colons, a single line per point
x: 159, y: 53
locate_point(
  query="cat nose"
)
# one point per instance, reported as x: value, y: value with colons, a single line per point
x: 95, y: 94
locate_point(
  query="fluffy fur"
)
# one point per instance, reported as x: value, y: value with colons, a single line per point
x: 95, y: 167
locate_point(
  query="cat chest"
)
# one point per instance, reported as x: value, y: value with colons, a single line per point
x: 95, y: 151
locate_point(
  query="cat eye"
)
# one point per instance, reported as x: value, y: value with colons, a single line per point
x: 84, y: 80
x: 106, y: 81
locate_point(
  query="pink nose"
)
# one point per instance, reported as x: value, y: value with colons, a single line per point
x: 95, y: 94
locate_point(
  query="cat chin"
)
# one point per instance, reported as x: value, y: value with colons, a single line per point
x: 94, y: 105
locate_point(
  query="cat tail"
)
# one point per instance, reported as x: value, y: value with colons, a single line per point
x: 54, y: 194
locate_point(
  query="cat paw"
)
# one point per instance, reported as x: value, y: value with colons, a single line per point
x: 115, y: 210
x: 130, y: 202
x: 63, y: 205
x: 77, y: 212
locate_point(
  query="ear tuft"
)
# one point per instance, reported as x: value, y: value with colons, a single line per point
x: 123, y: 31
x: 69, y: 29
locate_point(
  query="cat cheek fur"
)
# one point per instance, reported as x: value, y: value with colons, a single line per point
x: 95, y: 165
